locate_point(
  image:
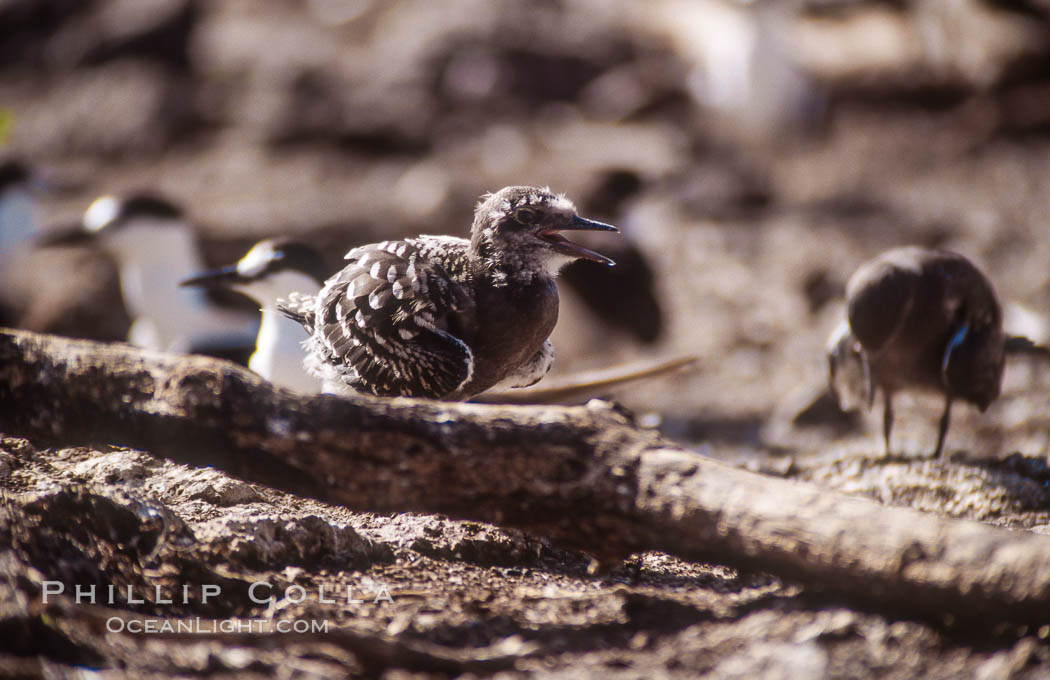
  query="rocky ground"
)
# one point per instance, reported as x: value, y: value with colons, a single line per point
x: 346, y: 122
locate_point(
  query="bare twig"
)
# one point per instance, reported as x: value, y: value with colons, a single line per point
x: 580, y: 387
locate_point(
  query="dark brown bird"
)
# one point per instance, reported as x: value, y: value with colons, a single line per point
x: 920, y: 318
x: 443, y: 317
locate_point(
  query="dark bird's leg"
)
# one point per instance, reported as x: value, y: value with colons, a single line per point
x: 887, y: 417
x: 869, y: 380
x: 942, y: 429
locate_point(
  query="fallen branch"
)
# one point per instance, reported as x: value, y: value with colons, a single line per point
x: 586, y: 477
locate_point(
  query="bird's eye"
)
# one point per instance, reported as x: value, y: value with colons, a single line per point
x: 526, y: 216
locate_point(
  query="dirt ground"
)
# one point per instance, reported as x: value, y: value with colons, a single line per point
x: 866, y: 125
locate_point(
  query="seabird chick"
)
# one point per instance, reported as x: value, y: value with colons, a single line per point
x: 443, y: 317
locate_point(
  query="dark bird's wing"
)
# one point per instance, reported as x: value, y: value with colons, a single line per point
x: 382, y: 321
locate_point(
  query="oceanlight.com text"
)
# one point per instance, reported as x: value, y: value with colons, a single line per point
x: 197, y: 625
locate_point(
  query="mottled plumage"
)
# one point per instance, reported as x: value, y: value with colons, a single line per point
x: 445, y: 317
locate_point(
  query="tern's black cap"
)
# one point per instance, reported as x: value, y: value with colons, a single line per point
x: 289, y: 254
x: 266, y: 258
x: 111, y: 212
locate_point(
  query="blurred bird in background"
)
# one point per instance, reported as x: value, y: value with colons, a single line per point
x: 743, y: 63
x: 18, y: 229
x: 920, y: 318
x: 18, y: 218
x: 274, y: 269
x: 155, y: 248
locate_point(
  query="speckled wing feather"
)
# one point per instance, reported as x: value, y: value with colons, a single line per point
x: 380, y: 324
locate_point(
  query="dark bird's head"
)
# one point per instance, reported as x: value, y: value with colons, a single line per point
x: 519, y: 229
x: 272, y: 269
x: 848, y: 370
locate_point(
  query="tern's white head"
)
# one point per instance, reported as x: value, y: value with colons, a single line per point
x: 141, y: 228
x: 272, y: 269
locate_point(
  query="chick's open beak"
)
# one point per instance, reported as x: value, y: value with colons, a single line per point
x: 554, y: 237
